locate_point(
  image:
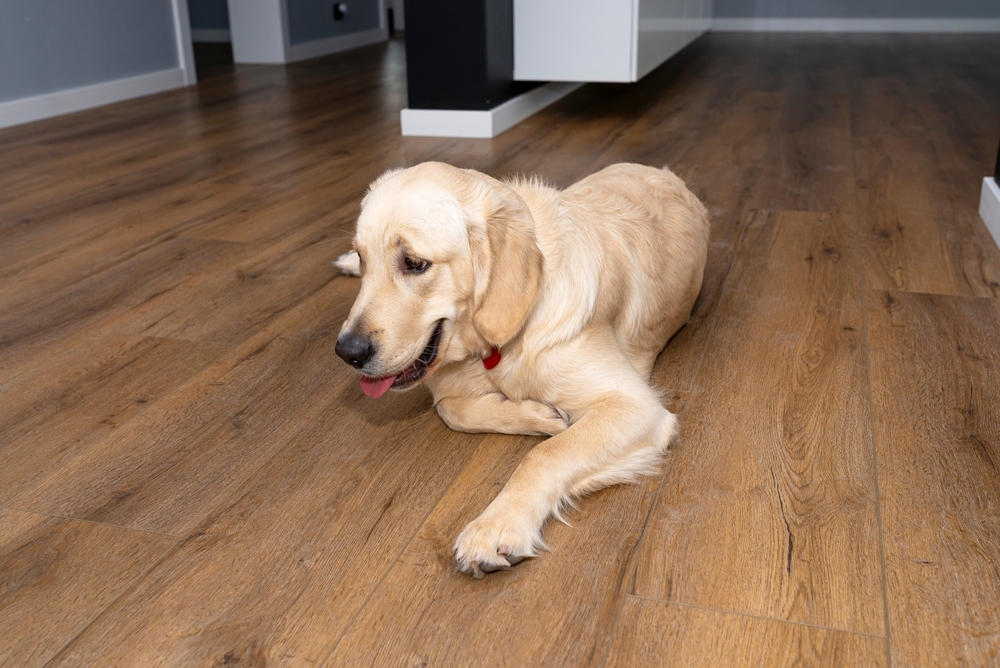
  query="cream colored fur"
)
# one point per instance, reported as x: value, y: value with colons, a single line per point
x: 580, y: 290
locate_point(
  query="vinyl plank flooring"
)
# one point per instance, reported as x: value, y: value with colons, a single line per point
x: 738, y: 131
x: 915, y: 235
x: 427, y: 613
x: 233, y: 303
x: 57, y: 575
x: 768, y: 485
x: 31, y: 308
x: 935, y: 375
x: 167, y: 470
x: 38, y: 324
x: 70, y: 404
x: 168, y: 313
x: 882, y: 106
x: 654, y: 633
x: 809, y: 157
x: 50, y: 252
x: 275, y: 575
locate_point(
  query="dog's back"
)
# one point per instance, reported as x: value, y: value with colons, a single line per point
x: 628, y: 245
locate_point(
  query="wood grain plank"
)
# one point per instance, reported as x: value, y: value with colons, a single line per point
x: 935, y: 374
x: 552, y: 610
x: 654, y: 633
x: 768, y: 485
x: 69, y: 404
x: 809, y: 157
x: 72, y: 246
x: 738, y: 131
x: 172, y: 466
x: 57, y: 575
x: 234, y: 302
x: 275, y: 576
x: 34, y: 311
x: 916, y: 235
x: 882, y: 106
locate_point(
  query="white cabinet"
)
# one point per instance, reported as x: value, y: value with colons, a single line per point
x: 602, y: 40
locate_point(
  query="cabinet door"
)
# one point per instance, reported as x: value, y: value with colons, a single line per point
x: 602, y: 40
x: 573, y: 40
x: 665, y: 27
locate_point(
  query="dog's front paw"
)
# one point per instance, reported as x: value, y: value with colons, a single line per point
x: 490, y: 544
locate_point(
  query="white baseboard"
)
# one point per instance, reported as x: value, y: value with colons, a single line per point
x: 989, y: 207
x: 855, y: 25
x: 211, y: 35
x: 482, y: 124
x: 323, y: 47
x: 25, y: 110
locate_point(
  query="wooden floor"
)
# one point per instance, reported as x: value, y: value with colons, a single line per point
x: 190, y: 476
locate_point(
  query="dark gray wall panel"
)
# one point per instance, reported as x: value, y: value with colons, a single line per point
x: 208, y: 14
x: 310, y: 20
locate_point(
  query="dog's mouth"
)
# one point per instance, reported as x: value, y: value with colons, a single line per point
x: 376, y: 387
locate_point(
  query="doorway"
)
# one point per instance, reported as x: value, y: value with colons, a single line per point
x: 211, y: 38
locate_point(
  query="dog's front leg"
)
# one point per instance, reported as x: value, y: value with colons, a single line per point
x: 618, y: 439
x: 496, y: 413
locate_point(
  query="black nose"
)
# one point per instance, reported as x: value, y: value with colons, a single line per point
x: 354, y: 349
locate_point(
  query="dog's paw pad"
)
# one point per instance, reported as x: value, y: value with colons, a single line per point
x: 493, y: 568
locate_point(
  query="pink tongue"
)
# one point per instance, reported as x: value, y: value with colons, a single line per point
x: 376, y: 387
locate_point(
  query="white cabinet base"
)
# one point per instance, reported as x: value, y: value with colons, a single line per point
x: 481, y: 124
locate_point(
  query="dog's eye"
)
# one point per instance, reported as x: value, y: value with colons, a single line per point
x: 415, y: 265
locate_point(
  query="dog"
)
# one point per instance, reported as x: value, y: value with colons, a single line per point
x: 528, y: 310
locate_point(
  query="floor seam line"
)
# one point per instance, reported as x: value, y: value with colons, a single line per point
x: 750, y: 615
x: 723, y: 291
x: 395, y: 560
x: 132, y: 586
x: 871, y: 406
x: 83, y: 519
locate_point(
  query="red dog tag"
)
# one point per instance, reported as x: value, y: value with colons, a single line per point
x: 492, y: 360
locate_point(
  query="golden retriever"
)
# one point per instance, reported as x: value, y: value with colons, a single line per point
x: 528, y: 310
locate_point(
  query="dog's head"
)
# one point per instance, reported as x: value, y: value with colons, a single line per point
x: 449, y: 269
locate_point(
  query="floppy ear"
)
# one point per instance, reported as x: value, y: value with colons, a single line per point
x: 507, y: 262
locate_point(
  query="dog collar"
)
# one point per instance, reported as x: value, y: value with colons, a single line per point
x: 492, y: 360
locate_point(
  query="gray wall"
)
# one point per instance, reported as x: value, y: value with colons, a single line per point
x: 309, y: 20
x: 208, y: 14
x: 857, y: 9
x: 52, y: 45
